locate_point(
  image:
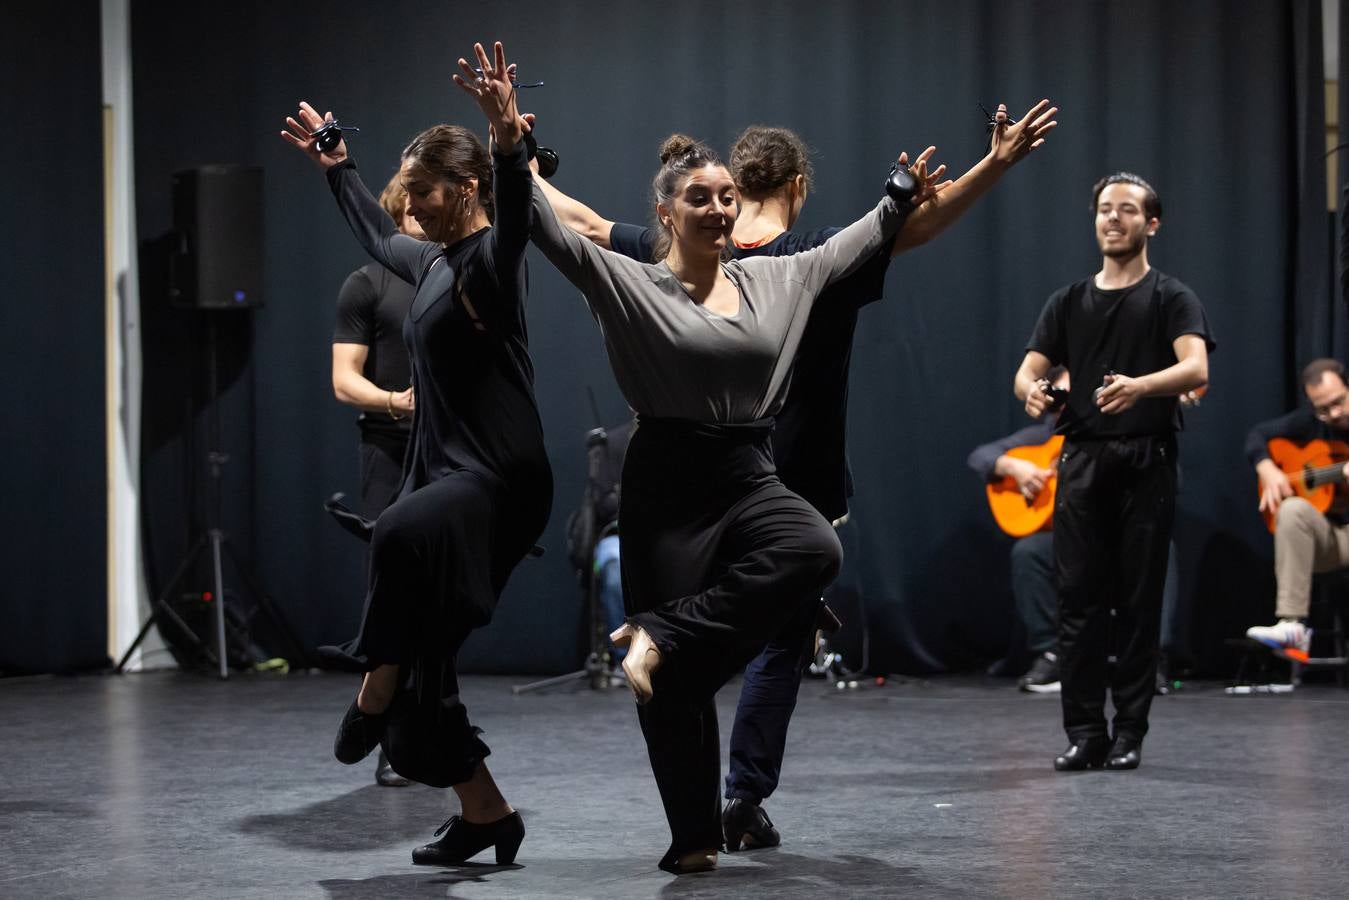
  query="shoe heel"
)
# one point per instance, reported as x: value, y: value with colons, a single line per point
x: 507, y: 849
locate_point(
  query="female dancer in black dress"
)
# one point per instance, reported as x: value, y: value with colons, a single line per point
x: 476, y: 488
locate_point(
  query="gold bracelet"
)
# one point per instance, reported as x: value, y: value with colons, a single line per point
x: 388, y: 404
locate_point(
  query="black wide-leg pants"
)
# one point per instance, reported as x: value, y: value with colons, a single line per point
x: 717, y: 557
x: 431, y: 585
x: 1113, y: 513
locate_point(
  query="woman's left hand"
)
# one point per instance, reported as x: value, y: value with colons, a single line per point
x: 929, y: 183
x: 495, y: 93
x: 1011, y: 143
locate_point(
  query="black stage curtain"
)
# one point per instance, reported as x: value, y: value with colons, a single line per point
x: 53, y: 612
x: 1215, y: 102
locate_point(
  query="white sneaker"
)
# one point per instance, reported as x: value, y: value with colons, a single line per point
x: 1288, y: 635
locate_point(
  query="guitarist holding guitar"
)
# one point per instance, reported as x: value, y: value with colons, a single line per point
x: 1019, y: 473
x: 1135, y: 339
x: 1300, y: 459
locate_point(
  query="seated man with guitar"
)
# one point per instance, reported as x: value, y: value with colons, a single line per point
x: 1019, y: 474
x: 1301, y: 460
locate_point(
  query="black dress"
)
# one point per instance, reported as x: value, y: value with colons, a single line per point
x: 476, y: 489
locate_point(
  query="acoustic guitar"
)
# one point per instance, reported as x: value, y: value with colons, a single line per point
x: 1315, y: 469
x: 1014, y: 513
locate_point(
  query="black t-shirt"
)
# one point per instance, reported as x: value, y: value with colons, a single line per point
x: 809, y: 442
x: 1129, y: 331
x: 371, y: 308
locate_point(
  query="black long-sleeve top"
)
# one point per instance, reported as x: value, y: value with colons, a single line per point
x: 1300, y: 425
x: 469, y: 347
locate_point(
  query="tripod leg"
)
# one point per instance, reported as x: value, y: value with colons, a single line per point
x: 216, y: 539
x: 301, y: 656
x: 161, y: 606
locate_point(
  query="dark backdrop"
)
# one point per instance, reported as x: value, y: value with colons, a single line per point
x: 1215, y: 102
x: 53, y: 594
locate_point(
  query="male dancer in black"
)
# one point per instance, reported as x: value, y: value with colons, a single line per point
x: 772, y: 171
x: 1133, y: 339
x: 371, y: 373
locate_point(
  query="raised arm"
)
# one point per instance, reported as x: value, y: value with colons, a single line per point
x: 377, y: 233
x: 492, y: 87
x: 1011, y: 144
x: 576, y: 215
x: 843, y: 253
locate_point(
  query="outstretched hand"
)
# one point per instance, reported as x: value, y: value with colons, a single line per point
x: 929, y: 183
x: 494, y: 92
x: 301, y: 136
x: 1012, y: 143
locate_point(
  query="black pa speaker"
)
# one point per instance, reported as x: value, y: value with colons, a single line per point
x: 217, y: 217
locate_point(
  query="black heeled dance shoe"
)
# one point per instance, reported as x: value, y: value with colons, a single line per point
x: 688, y: 863
x: 747, y: 827
x: 463, y: 840
x: 358, y: 734
x: 1126, y: 753
x: 1086, y: 753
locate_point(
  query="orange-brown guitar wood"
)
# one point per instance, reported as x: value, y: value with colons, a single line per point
x: 1011, y: 511
x: 1314, y: 469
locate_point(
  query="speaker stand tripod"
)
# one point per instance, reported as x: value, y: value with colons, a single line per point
x: 215, y: 542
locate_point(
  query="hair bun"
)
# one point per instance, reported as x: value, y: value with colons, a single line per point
x: 676, y: 145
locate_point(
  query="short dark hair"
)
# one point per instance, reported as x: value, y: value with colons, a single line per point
x: 1315, y: 370
x: 1152, y: 204
x: 764, y: 158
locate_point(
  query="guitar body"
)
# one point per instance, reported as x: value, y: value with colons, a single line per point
x: 1010, y: 510
x: 1323, y: 489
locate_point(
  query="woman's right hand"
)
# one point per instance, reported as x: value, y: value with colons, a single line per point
x: 300, y: 135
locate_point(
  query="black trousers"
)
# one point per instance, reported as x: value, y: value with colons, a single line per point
x: 767, y: 700
x: 381, y: 470
x: 718, y: 556
x: 1113, y: 513
x: 430, y: 587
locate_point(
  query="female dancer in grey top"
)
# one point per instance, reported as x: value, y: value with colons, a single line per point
x: 717, y: 552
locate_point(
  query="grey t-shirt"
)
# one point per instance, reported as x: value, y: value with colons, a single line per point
x: 674, y: 359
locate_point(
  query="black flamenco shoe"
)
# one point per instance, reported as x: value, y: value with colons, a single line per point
x: 1086, y: 753
x: 463, y: 840
x: 689, y: 863
x: 1126, y: 753
x: 747, y: 827
x: 358, y: 734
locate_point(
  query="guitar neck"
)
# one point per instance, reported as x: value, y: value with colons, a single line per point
x: 1320, y: 475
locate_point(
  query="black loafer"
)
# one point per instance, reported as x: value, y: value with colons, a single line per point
x: 1126, y: 753
x: 747, y: 827
x: 358, y: 734
x: 1086, y: 753
x: 463, y: 840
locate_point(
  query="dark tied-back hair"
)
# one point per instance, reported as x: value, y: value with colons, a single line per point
x: 454, y: 153
x: 1152, y: 204
x: 765, y: 157
x: 679, y: 156
x: 1317, y: 369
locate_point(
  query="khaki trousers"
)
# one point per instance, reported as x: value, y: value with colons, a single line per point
x: 1305, y: 542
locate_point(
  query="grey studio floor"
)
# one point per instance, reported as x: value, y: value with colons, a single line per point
x: 175, y: 785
